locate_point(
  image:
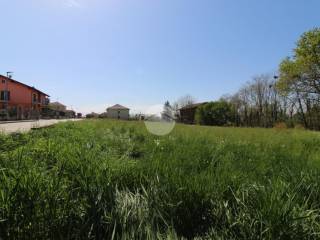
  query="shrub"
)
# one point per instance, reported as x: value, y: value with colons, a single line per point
x: 280, y: 125
x: 290, y: 123
x: 214, y: 113
x: 299, y: 126
x: 92, y: 115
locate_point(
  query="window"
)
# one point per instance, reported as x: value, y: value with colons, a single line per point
x: 3, y: 81
x: 34, y: 98
x: 5, y: 96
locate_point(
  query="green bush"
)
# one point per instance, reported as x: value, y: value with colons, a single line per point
x: 214, y: 113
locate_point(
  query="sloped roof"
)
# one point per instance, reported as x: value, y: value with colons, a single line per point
x: 57, y: 104
x: 118, y: 107
x: 195, y: 105
x: 15, y: 81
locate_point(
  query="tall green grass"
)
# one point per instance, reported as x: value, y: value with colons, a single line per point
x: 103, y: 179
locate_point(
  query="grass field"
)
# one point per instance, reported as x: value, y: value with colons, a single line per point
x: 103, y: 179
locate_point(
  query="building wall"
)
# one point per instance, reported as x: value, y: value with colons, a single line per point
x: 118, y: 114
x: 57, y: 106
x: 18, y: 93
x: 70, y: 114
x: 188, y: 115
x: 21, y: 99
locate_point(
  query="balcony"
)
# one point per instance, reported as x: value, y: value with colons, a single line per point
x: 46, y: 101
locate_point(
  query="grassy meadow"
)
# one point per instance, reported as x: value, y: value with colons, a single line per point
x: 103, y: 179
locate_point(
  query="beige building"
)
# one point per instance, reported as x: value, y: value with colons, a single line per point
x: 118, y: 112
x: 57, y: 106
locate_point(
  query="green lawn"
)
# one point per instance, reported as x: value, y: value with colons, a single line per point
x: 102, y: 179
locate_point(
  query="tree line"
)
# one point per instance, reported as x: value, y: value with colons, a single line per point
x: 290, y: 98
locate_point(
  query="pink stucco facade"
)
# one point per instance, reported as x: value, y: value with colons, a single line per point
x: 21, y: 98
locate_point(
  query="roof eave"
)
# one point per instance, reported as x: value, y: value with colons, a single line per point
x: 25, y: 85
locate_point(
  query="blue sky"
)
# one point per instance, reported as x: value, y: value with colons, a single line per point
x: 90, y: 54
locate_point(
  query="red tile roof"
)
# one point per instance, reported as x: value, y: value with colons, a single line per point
x: 58, y: 103
x: 24, y: 85
x: 118, y: 107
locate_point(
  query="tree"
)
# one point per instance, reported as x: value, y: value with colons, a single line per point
x: 300, y: 78
x: 307, y: 57
x: 291, y: 84
x: 167, y: 113
x: 301, y: 72
x: 185, y: 101
x: 257, y: 103
x: 217, y: 113
x: 180, y: 103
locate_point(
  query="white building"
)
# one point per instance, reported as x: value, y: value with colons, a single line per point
x: 118, y: 112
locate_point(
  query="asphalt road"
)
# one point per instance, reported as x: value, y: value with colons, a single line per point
x: 25, y: 126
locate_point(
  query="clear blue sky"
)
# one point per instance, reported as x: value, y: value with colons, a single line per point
x: 93, y: 53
